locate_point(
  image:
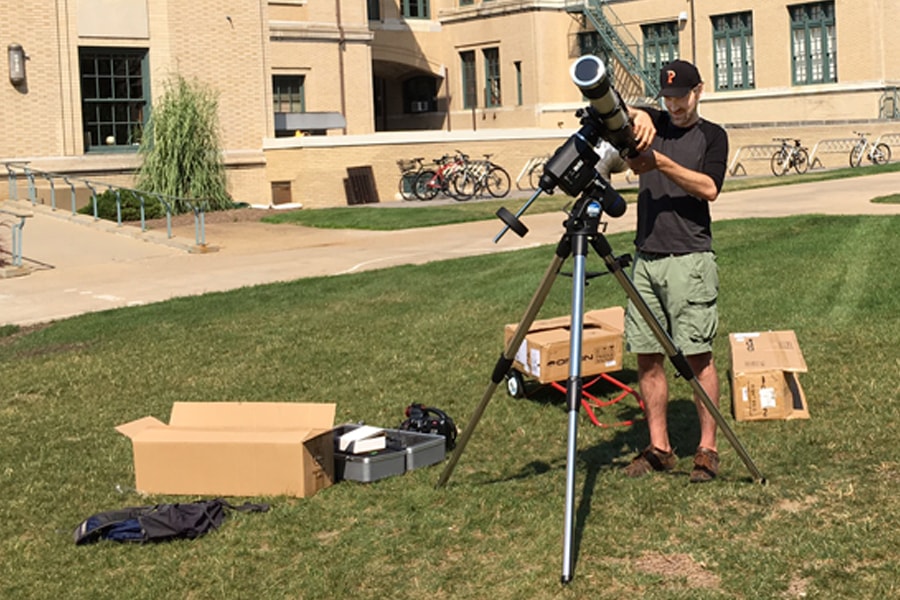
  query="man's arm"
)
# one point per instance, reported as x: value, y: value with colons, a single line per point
x: 695, y: 183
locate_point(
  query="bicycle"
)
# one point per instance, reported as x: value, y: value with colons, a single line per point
x: 430, y: 182
x: 482, y: 175
x: 878, y: 153
x: 409, y: 170
x: 789, y: 156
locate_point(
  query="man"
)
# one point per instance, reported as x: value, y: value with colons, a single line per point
x: 675, y: 268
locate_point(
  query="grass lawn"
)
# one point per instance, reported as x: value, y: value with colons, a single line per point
x: 826, y: 526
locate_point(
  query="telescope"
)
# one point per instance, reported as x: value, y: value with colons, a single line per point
x: 591, y: 77
x: 571, y: 168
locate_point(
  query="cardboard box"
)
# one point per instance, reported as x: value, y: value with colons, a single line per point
x: 235, y: 449
x: 544, y: 353
x: 764, y: 376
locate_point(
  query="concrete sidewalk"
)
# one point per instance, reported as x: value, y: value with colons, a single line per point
x: 79, y: 266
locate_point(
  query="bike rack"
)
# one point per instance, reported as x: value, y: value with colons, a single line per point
x: 526, y: 170
x: 830, y: 146
x: 891, y: 139
x: 751, y: 152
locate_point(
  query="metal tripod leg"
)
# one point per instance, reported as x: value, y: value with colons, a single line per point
x: 506, y: 359
x: 573, y: 401
x: 601, y: 245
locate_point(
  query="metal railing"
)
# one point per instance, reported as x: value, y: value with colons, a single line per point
x: 16, y: 231
x: 16, y: 169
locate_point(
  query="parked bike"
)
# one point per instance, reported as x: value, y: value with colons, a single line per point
x: 878, y: 153
x: 789, y: 156
x: 482, y: 175
x: 430, y: 182
x: 409, y: 170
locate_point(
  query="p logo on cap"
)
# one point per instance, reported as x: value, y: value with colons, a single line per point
x: 678, y: 78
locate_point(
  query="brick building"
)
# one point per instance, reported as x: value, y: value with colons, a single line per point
x: 371, y: 81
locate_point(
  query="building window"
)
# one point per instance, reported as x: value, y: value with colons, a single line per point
x: 414, y: 9
x: 733, y: 42
x: 373, y: 9
x: 660, y: 45
x: 590, y: 42
x: 114, y: 96
x: 288, y: 94
x: 466, y: 2
x: 419, y: 95
x: 813, y: 43
x: 491, y: 77
x: 467, y: 64
x: 518, y: 65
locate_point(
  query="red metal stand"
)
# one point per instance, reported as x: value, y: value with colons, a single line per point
x: 589, y: 401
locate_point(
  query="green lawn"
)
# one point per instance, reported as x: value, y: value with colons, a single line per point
x: 826, y: 525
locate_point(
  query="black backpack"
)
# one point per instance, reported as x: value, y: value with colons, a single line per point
x: 427, y: 419
x: 158, y: 523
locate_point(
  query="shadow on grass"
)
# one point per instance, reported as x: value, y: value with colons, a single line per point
x: 684, y: 432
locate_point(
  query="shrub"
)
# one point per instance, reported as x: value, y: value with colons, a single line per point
x: 131, y: 206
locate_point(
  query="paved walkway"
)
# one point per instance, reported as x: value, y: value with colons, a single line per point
x: 80, y: 266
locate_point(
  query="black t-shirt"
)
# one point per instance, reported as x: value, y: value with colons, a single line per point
x: 669, y: 219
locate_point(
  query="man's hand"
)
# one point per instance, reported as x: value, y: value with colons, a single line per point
x: 642, y: 127
x: 643, y: 162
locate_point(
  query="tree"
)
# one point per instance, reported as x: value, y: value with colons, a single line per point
x: 181, y: 149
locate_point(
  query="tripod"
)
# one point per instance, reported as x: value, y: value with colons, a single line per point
x: 582, y: 231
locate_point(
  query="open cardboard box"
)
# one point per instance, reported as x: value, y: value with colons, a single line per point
x: 544, y: 353
x: 764, y: 376
x: 235, y: 449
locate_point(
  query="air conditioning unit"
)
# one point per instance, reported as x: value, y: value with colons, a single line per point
x: 419, y: 106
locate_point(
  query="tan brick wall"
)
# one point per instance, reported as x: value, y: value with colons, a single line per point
x: 220, y: 43
x: 32, y: 115
x: 317, y: 173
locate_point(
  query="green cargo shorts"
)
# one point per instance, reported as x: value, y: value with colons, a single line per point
x: 681, y: 292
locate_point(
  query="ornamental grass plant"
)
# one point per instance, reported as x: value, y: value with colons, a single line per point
x: 182, y: 150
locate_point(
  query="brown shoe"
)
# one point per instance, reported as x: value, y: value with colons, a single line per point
x: 651, y: 459
x: 706, y: 465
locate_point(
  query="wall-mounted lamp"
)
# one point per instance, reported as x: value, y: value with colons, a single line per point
x: 16, y: 64
x: 682, y: 20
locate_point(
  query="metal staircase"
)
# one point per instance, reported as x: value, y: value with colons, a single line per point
x: 623, y: 47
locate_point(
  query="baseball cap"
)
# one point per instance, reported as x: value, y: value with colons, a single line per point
x: 677, y: 78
